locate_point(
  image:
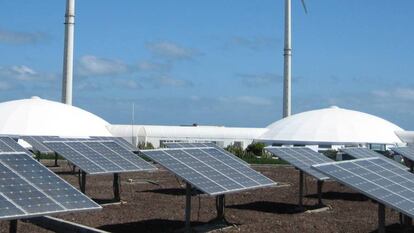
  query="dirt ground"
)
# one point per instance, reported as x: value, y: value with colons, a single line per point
x: 155, y: 202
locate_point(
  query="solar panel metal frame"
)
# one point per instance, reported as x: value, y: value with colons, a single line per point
x: 401, y: 173
x: 7, y: 140
x: 271, y: 184
x: 361, y: 153
x: 31, y: 215
x: 299, y: 164
x: 82, y: 166
x: 37, y: 143
x: 121, y: 141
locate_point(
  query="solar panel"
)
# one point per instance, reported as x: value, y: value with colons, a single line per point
x: 406, y: 152
x: 37, y: 143
x: 209, y: 169
x: 121, y: 141
x: 376, y: 179
x: 202, y: 144
x: 361, y: 153
x: 98, y: 157
x: 10, y: 145
x: 302, y: 158
x: 28, y: 189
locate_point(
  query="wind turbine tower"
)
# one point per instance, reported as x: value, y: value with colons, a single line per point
x: 68, y: 53
x: 287, y: 71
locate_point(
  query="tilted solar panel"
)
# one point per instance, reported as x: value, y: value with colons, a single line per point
x: 37, y: 143
x: 361, y: 153
x: 209, y: 169
x: 28, y: 189
x: 200, y: 145
x: 302, y: 158
x: 406, y: 152
x: 98, y: 157
x: 377, y: 179
x: 121, y: 141
x: 10, y: 145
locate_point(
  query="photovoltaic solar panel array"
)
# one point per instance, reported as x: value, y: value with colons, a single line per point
x: 189, y: 144
x: 361, y: 153
x: 302, y: 158
x: 28, y: 189
x: 200, y: 145
x: 377, y: 179
x: 406, y: 152
x: 99, y: 157
x: 37, y: 142
x: 209, y: 169
x: 10, y: 145
x: 124, y: 143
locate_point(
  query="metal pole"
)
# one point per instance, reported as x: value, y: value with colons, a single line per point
x: 220, y: 201
x: 13, y: 226
x: 68, y: 52
x: 117, y: 196
x: 56, y: 160
x: 301, y: 189
x: 83, y: 182
x: 287, y: 72
x: 188, y: 208
x: 320, y: 184
x: 381, y: 218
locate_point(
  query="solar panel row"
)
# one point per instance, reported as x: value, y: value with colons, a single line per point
x: 99, y: 157
x: 377, y: 179
x: 209, y: 169
x: 29, y: 189
x: 37, y: 143
x: 302, y: 158
x: 406, y: 152
x: 10, y: 145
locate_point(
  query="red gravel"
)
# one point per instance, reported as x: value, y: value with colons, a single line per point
x: 160, y: 207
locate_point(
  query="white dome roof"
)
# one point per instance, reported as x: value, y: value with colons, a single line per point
x: 37, y: 116
x: 332, y: 126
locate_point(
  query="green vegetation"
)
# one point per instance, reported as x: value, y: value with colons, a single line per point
x: 254, y: 154
x: 145, y: 146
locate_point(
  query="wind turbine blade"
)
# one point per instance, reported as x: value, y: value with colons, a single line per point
x: 304, y: 6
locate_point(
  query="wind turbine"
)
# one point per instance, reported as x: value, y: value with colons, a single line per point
x: 68, y: 53
x: 287, y: 71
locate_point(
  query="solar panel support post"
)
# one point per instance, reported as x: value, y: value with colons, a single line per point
x: 187, y: 208
x: 301, y: 176
x: 56, y: 159
x: 220, y: 205
x: 320, y: 185
x: 83, y: 182
x: 13, y: 226
x: 381, y: 218
x: 116, y: 186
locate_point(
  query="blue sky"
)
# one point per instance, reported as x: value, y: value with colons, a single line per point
x: 212, y: 62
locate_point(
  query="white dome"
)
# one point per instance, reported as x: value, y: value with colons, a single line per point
x: 36, y: 116
x: 332, y: 126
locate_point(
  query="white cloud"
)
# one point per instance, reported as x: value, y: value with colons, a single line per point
x: 170, y: 50
x: 259, y: 80
x: 153, y: 66
x: 406, y: 94
x: 130, y: 84
x: 166, y: 81
x: 94, y: 66
x: 24, y: 73
x: 13, y: 37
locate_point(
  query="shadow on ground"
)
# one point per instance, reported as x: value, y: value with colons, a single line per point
x: 394, y: 228
x: 273, y: 207
x: 172, y: 191
x: 340, y: 196
x: 152, y: 225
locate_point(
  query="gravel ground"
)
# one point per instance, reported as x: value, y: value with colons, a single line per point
x: 158, y: 206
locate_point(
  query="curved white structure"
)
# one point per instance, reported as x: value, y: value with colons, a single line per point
x: 37, y: 116
x: 335, y: 126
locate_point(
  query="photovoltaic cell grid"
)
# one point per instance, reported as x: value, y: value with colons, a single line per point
x: 200, y: 145
x: 10, y: 145
x: 376, y: 179
x: 124, y: 143
x: 302, y: 158
x: 99, y: 157
x: 406, y: 152
x: 28, y: 189
x: 37, y: 142
x: 361, y: 153
x: 209, y: 169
